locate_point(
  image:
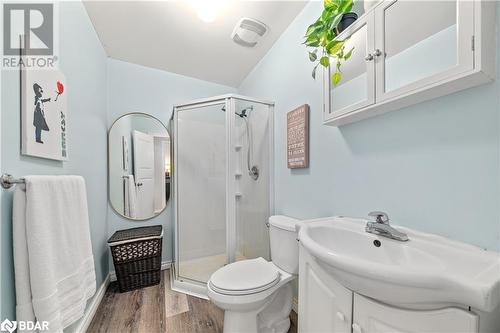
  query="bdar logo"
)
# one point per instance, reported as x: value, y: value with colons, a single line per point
x: 9, y: 326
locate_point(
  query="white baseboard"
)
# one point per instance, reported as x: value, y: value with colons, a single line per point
x: 295, y: 305
x: 92, y: 307
x: 164, y: 265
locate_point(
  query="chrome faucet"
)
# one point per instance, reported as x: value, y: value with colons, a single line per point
x: 382, y: 227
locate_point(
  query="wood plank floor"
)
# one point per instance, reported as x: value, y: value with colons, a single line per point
x: 158, y: 309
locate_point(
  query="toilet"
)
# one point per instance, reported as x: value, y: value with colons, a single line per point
x: 257, y: 294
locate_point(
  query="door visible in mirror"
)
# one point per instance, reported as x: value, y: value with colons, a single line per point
x: 139, y: 166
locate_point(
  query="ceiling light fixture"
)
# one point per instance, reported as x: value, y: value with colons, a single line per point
x: 207, y: 10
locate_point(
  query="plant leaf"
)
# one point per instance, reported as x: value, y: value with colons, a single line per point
x: 336, y: 77
x: 312, y: 41
x: 314, y: 71
x: 345, y: 6
x: 334, y: 46
x: 334, y: 22
x: 310, y: 30
x: 331, y: 34
x: 323, y: 37
x: 324, y: 61
x: 340, y: 53
x: 313, y: 36
x: 313, y: 56
x: 314, y: 28
x: 332, y: 4
x: 327, y: 12
x: 348, y: 54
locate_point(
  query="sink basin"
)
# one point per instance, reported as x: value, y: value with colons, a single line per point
x: 426, y: 272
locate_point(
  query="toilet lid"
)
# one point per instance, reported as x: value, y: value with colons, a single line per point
x: 245, y: 277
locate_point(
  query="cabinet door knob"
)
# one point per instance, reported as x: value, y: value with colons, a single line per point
x: 341, y: 316
x: 369, y: 57
x: 356, y: 328
x: 377, y: 53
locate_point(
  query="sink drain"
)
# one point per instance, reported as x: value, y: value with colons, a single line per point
x: 377, y: 243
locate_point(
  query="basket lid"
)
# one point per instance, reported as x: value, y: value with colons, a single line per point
x: 133, y: 233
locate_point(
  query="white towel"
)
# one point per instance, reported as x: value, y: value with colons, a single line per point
x: 53, y: 261
x: 130, y: 196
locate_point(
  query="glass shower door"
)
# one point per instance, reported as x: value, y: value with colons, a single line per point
x: 252, y: 135
x: 201, y: 190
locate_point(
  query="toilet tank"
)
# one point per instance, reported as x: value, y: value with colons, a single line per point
x: 284, y: 244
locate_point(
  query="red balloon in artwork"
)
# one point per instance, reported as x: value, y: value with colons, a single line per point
x: 60, y: 88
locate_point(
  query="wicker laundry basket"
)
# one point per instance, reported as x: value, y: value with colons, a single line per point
x: 137, y: 256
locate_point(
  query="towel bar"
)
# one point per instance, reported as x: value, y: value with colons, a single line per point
x: 7, y: 181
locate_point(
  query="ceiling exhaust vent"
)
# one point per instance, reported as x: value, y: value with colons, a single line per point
x: 248, y: 31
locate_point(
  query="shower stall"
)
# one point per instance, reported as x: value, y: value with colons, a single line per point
x: 223, y: 186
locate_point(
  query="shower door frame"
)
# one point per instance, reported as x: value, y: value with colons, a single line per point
x: 184, y: 284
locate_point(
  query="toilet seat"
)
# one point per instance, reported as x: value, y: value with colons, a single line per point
x: 245, y: 277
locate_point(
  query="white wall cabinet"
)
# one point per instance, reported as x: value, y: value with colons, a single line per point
x: 406, y: 52
x: 326, y: 306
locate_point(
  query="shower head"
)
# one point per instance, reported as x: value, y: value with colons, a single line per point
x: 243, y: 112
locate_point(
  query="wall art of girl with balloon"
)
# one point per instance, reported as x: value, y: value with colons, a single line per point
x: 44, y: 114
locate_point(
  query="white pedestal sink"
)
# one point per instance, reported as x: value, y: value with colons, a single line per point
x: 426, y: 272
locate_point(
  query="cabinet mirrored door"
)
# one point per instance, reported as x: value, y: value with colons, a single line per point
x: 356, y: 88
x: 421, y: 42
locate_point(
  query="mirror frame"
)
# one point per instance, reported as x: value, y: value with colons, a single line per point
x: 108, y: 171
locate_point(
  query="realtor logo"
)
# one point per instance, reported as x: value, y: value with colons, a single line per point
x: 34, y: 21
x: 8, y: 326
x: 29, y: 37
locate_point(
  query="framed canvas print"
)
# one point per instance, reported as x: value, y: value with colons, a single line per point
x: 125, y: 153
x: 44, y: 114
x: 297, y: 122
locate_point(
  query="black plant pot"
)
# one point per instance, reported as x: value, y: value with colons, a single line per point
x: 347, y: 20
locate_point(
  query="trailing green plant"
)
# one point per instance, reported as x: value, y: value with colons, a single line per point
x: 320, y: 36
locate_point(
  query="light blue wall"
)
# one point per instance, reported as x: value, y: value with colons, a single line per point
x: 433, y: 166
x: 83, y: 61
x: 134, y: 88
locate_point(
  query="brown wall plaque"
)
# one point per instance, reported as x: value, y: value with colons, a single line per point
x: 297, y: 138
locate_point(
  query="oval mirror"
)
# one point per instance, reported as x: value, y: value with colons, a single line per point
x: 138, y: 166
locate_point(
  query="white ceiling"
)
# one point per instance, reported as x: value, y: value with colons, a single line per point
x: 168, y: 35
